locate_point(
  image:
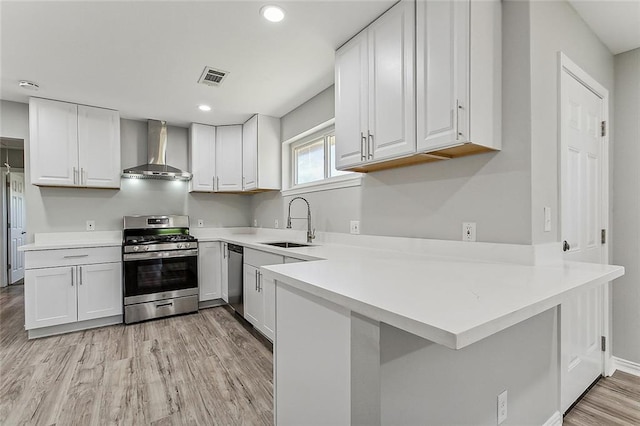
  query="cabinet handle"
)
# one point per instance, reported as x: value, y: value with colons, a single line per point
x: 259, y: 281
x: 458, y: 108
x: 363, y: 140
x: 72, y: 275
x: 75, y: 176
x: 224, y: 250
x: 83, y: 181
x: 370, y: 146
x: 243, y: 183
x: 217, y: 183
x: 76, y: 256
x: 256, y: 280
x: 80, y: 275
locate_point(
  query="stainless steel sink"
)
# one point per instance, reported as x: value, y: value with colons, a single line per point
x: 287, y: 244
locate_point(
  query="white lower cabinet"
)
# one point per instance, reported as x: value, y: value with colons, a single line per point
x: 224, y: 272
x: 260, y: 292
x: 210, y: 270
x: 68, y: 286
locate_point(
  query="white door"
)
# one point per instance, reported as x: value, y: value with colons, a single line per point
x: 202, y: 156
x: 53, y: 130
x: 50, y: 297
x: 391, y: 83
x: 351, y: 86
x: 99, y: 290
x: 99, y: 147
x: 229, y: 158
x: 442, y: 73
x: 582, y: 207
x: 253, y: 308
x: 209, y: 271
x: 17, y: 231
x: 268, y: 290
x: 250, y: 154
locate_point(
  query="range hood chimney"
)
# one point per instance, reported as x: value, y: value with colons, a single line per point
x: 156, y: 167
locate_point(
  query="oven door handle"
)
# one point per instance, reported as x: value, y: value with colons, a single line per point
x: 159, y: 255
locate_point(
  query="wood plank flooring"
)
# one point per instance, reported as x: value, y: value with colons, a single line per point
x: 200, y: 369
x: 613, y: 400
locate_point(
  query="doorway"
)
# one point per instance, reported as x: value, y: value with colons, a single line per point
x: 13, y: 210
x: 584, y: 217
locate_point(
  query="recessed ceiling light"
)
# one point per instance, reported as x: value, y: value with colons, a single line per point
x: 272, y: 13
x: 30, y: 85
x: 204, y: 108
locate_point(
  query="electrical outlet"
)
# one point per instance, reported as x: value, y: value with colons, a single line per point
x: 547, y: 219
x: 469, y: 231
x: 255, y: 223
x: 91, y: 225
x: 276, y: 224
x: 355, y: 227
x: 200, y: 223
x: 502, y: 407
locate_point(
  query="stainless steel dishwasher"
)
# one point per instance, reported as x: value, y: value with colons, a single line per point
x: 235, y: 276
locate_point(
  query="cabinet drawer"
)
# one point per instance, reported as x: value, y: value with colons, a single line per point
x: 68, y: 257
x: 259, y: 258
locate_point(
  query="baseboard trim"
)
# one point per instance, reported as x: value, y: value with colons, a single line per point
x: 626, y: 366
x: 74, y: 326
x: 554, y: 420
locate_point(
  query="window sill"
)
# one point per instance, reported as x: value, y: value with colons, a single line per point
x: 325, y: 185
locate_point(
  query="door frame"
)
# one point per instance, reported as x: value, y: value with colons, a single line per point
x: 565, y: 64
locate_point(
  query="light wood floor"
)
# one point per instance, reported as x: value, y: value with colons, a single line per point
x: 613, y: 400
x: 199, y: 369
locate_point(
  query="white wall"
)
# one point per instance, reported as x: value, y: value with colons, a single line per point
x: 626, y: 206
x: 556, y: 26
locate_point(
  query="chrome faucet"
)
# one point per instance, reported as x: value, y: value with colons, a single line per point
x: 310, y: 234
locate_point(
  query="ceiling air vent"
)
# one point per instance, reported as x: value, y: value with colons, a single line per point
x: 212, y: 77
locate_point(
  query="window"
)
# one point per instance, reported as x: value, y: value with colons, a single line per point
x: 311, y: 160
x: 314, y: 160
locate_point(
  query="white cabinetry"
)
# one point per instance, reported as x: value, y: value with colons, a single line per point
x: 224, y: 272
x: 210, y: 270
x: 74, y: 145
x: 458, y: 79
x: 72, y: 285
x: 202, y: 157
x: 228, y: 158
x: 261, y: 153
x: 259, y: 292
x: 375, y: 92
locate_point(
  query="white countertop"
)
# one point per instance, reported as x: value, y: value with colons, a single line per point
x: 449, y: 292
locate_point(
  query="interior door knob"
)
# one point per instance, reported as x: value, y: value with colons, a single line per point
x: 565, y: 246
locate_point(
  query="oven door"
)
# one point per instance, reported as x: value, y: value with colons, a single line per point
x: 160, y: 275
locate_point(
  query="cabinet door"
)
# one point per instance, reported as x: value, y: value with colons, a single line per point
x: 209, y: 270
x: 442, y: 65
x: 229, y: 158
x: 99, y: 147
x: 351, y: 90
x: 99, y: 290
x: 268, y: 290
x: 202, y: 155
x: 250, y: 154
x: 391, y: 131
x: 224, y: 273
x: 253, y: 305
x: 50, y: 297
x: 53, y: 130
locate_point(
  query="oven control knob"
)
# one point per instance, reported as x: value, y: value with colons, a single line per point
x: 179, y: 245
x: 186, y: 245
x: 146, y: 248
x: 136, y: 248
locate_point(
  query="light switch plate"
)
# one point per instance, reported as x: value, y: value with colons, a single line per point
x: 355, y: 227
x: 200, y: 223
x: 276, y: 224
x: 502, y: 407
x: 469, y: 231
x: 91, y: 225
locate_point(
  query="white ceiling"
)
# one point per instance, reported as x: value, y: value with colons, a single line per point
x: 615, y: 22
x: 144, y: 58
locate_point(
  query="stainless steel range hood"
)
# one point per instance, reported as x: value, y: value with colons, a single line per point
x: 156, y: 167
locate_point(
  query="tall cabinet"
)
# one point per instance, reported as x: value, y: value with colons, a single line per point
x: 375, y: 91
x: 74, y: 145
x: 261, y: 154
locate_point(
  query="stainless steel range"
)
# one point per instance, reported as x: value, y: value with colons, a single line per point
x: 160, y: 267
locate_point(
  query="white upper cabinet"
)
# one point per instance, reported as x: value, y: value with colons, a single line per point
x: 261, y: 154
x: 99, y: 147
x: 458, y: 73
x: 53, y: 128
x: 202, y: 157
x: 375, y: 91
x: 74, y: 145
x: 229, y: 158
